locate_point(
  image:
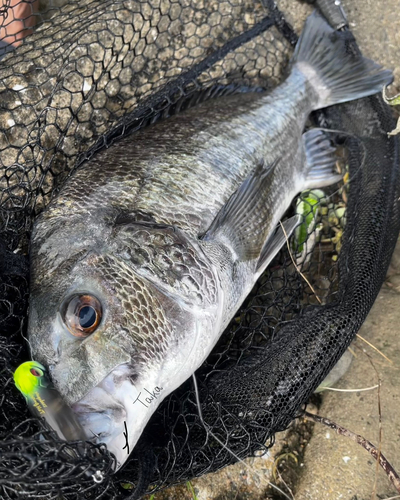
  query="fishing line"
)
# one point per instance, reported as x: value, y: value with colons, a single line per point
x: 207, y: 429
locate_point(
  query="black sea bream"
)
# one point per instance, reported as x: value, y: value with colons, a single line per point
x: 143, y: 258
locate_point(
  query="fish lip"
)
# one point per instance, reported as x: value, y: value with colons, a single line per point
x: 106, y: 414
x: 88, y: 412
x: 82, y: 409
x: 85, y: 407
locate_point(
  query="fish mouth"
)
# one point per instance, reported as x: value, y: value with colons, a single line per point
x: 108, y: 414
x: 96, y: 418
x: 102, y: 416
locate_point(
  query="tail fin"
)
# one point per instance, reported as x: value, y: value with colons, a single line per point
x: 335, y: 73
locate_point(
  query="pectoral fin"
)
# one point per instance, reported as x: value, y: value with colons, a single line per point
x: 242, y: 222
x: 276, y: 242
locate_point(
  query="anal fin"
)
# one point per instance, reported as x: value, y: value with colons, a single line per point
x: 276, y: 242
x: 320, y: 160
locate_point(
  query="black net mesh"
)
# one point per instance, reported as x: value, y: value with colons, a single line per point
x: 75, y: 77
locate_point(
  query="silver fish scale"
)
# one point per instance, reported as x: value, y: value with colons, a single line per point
x: 143, y: 321
x: 170, y: 261
x: 183, y: 170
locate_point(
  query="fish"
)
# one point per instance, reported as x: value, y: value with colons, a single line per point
x: 143, y: 257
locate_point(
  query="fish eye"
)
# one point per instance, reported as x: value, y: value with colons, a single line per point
x: 82, y: 314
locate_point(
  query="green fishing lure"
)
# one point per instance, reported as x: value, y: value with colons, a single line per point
x: 46, y: 402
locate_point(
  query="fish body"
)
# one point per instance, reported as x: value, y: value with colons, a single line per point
x: 141, y: 261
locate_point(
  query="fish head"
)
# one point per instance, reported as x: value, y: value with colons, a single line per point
x: 115, y: 342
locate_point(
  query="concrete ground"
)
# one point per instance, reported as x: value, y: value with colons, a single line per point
x: 334, y: 467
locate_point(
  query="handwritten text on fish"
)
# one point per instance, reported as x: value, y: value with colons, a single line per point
x: 150, y: 398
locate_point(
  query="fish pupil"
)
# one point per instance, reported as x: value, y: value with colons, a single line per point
x: 87, y: 316
x: 35, y: 372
